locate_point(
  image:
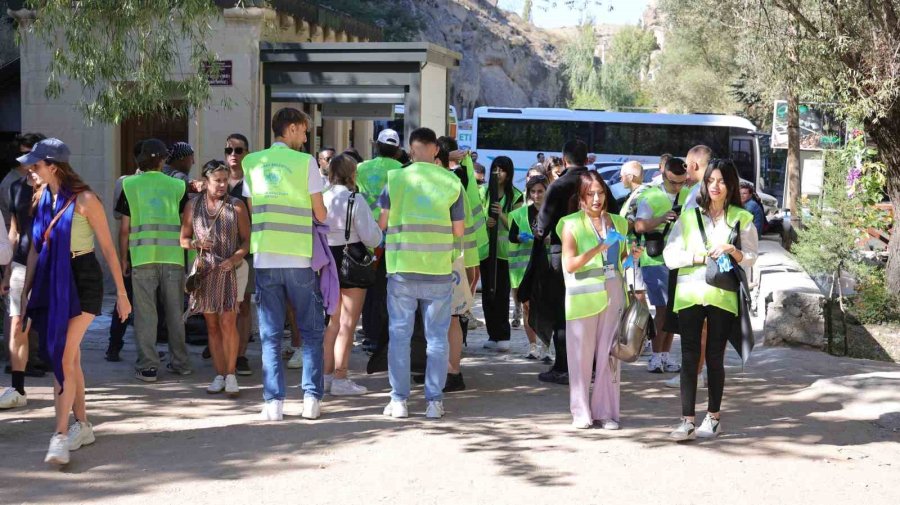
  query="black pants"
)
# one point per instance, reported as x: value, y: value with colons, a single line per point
x: 117, y: 327
x: 719, y: 323
x: 496, y: 308
x: 561, y: 364
x: 374, y: 314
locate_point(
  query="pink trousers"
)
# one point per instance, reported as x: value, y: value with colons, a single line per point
x: 588, y: 340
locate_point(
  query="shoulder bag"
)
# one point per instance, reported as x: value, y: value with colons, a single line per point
x: 357, y: 268
x: 715, y: 278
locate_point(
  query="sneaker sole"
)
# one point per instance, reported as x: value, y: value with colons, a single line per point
x: 56, y: 460
x: 145, y: 379
x: 290, y: 367
x: 86, y: 442
x: 656, y: 370
x: 683, y: 438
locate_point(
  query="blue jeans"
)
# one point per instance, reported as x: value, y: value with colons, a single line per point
x: 300, y: 288
x: 434, y: 298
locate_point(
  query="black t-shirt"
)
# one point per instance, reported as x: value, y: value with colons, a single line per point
x: 123, y: 208
x: 20, y: 195
x: 556, y: 205
x: 238, y: 192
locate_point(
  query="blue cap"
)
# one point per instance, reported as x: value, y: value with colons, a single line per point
x: 48, y: 149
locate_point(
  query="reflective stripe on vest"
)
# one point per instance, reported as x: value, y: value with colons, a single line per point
x: 469, y: 243
x: 155, y: 222
x: 474, y: 198
x: 586, y: 287
x: 692, y: 288
x: 419, y: 236
x: 278, y: 180
x: 659, y: 202
x: 519, y: 254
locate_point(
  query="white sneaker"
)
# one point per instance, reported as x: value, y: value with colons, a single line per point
x: 311, y: 408
x: 328, y: 380
x: 674, y: 382
x: 655, y: 365
x: 684, y: 431
x: 490, y: 344
x: 648, y: 348
x: 609, y: 424
x: 231, y: 386
x: 670, y: 366
x: 533, y: 352
x: 346, y: 387
x: 273, y: 410
x: 396, y: 409
x: 709, y: 428
x: 80, y: 434
x: 582, y: 425
x: 217, y: 385
x: 503, y: 345
x: 296, y: 360
x: 12, y: 399
x: 58, y: 453
x: 435, y: 410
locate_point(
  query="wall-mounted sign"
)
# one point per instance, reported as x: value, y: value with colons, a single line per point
x: 819, y: 129
x: 218, y: 74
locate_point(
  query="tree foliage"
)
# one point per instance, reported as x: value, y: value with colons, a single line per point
x: 130, y: 57
x: 397, y: 21
x: 623, y: 73
x: 582, y: 69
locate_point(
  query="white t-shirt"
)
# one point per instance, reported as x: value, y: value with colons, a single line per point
x: 691, y: 201
x: 275, y: 260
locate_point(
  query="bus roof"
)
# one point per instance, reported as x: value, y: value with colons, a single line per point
x: 615, y: 117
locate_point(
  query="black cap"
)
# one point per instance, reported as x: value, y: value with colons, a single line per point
x: 152, y: 149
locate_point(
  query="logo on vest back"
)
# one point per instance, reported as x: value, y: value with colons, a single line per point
x: 273, y: 176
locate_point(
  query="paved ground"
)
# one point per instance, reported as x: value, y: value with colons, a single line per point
x: 800, y: 427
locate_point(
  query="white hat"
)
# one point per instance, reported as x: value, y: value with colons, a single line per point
x: 388, y: 136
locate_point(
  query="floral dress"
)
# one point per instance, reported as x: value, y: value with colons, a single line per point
x: 217, y: 292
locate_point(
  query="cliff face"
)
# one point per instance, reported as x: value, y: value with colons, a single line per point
x: 506, y: 62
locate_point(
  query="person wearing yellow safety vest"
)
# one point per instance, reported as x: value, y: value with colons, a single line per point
x: 657, y: 209
x: 698, y: 303
x: 496, y: 305
x: 284, y: 193
x: 151, y: 205
x: 371, y: 179
x: 423, y: 215
x: 697, y: 159
x: 593, y: 246
x: 521, y: 240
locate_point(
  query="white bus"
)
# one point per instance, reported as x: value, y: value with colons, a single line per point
x: 614, y: 137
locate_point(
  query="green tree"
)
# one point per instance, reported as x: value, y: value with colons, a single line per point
x: 834, y: 51
x: 625, y: 69
x: 130, y: 57
x: 582, y: 69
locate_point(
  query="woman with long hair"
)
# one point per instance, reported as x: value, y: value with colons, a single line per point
x: 707, y: 232
x: 349, y: 228
x: 217, y: 226
x: 496, y: 304
x: 521, y: 238
x: 593, y: 247
x: 554, y: 168
x: 64, y: 284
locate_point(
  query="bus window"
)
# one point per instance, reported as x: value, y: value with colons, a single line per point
x: 742, y: 155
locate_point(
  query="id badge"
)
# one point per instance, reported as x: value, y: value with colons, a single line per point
x: 609, y: 271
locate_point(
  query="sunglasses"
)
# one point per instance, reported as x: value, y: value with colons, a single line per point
x: 234, y: 150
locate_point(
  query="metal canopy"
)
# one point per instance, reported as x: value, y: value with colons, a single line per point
x: 350, y: 73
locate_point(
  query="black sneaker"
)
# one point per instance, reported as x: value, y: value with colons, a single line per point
x: 112, y: 354
x: 146, y: 375
x: 454, y: 383
x: 554, y: 377
x: 178, y: 371
x: 206, y: 354
x: 242, y: 366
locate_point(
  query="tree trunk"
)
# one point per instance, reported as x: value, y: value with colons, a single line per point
x: 793, y: 165
x: 885, y: 133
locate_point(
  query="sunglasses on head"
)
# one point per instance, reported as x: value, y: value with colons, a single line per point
x: 234, y: 150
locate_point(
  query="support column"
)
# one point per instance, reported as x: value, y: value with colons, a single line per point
x: 363, y: 133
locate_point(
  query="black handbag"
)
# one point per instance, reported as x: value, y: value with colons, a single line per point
x: 357, y: 268
x: 714, y: 277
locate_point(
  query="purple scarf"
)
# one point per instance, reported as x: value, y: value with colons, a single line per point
x: 54, y: 297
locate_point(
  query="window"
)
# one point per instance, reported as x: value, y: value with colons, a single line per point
x: 656, y: 139
x: 529, y: 134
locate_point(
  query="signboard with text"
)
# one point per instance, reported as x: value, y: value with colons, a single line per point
x: 219, y: 73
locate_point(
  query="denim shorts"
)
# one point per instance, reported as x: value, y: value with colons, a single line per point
x: 656, y: 278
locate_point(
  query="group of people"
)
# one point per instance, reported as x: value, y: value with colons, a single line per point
x: 323, y: 241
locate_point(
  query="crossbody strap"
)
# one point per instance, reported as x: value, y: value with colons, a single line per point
x: 57, y: 217
x: 349, y: 215
x: 702, y: 228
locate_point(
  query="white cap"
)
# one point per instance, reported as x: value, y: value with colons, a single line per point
x: 389, y: 137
